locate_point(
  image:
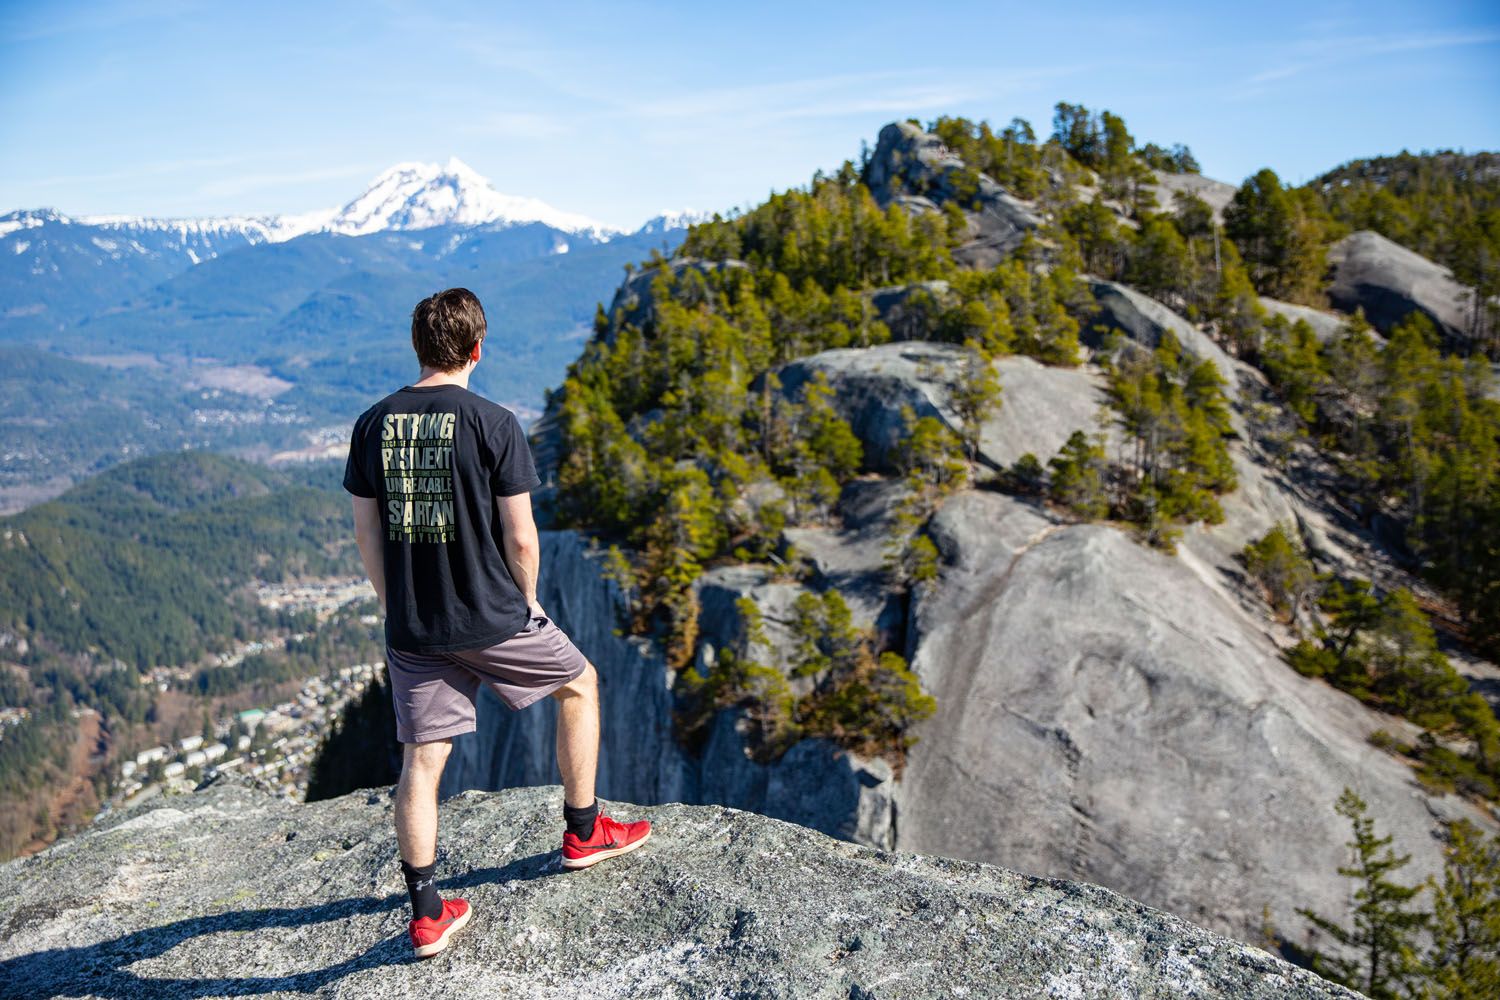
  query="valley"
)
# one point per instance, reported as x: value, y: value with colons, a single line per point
x: 1030, y: 501
x: 265, y: 338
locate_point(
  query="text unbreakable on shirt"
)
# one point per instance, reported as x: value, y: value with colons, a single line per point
x: 418, y: 508
x: 436, y: 457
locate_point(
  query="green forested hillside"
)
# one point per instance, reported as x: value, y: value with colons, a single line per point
x: 62, y: 417
x: 677, y: 446
x: 149, y: 565
x: 675, y: 433
x: 141, y: 564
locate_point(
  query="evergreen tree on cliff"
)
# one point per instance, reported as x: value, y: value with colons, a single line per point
x: 1380, y: 946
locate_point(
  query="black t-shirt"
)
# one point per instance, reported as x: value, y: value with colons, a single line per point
x: 436, y: 457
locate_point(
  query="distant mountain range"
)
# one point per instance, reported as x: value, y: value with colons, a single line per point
x: 406, y: 196
x: 67, y: 266
x: 273, y: 332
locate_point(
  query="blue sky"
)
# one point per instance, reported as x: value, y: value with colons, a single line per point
x: 177, y: 107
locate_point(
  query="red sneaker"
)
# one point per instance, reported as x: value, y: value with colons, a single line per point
x: 610, y: 839
x: 429, y: 936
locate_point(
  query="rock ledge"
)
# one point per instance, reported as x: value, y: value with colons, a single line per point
x: 228, y: 892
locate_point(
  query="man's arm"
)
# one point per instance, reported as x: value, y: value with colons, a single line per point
x: 520, y: 545
x: 367, y: 532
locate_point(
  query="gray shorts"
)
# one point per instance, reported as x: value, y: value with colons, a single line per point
x: 434, y: 692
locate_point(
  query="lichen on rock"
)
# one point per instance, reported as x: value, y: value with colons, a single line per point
x: 227, y: 892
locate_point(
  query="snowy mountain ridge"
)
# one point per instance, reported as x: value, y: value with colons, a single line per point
x: 407, y: 196
x: 268, y: 229
x: 670, y: 219
x: 423, y: 195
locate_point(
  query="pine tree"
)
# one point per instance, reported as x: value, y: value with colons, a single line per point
x: 1078, y: 477
x: 974, y: 396
x: 1280, y: 563
x: 1292, y: 359
x: 1463, y: 962
x: 1280, y: 237
x: 1354, y: 612
x: 1380, y: 957
x: 1159, y: 262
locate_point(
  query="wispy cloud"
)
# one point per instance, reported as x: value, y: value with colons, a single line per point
x: 232, y: 186
x: 889, y: 92
x: 143, y: 170
x: 1272, y: 75
x: 1374, y: 45
x: 1328, y: 49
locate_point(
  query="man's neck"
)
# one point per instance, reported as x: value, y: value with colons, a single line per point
x: 434, y: 377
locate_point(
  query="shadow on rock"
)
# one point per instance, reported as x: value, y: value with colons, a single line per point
x: 101, y: 969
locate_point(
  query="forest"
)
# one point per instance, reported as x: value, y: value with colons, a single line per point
x: 152, y: 564
x: 680, y: 451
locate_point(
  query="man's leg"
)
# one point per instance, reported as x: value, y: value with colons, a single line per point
x: 591, y: 836
x: 417, y: 821
x: 416, y: 800
x: 578, y: 737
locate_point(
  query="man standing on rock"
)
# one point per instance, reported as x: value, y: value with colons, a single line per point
x: 441, y: 480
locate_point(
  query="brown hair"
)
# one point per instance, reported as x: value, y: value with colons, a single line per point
x: 445, y: 327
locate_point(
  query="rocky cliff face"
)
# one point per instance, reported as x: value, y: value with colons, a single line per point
x: 640, y: 759
x: 228, y: 892
x: 913, y: 169
x: 1116, y: 719
x: 1105, y: 712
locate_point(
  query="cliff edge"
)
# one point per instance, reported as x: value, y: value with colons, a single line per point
x: 229, y: 892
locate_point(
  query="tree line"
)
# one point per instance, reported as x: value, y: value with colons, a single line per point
x: 680, y: 448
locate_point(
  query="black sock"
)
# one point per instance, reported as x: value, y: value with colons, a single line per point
x: 580, y: 819
x: 425, y: 901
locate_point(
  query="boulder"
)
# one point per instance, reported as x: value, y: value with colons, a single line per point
x: 909, y: 163
x: 1105, y: 715
x: 1142, y: 320
x: 1216, y: 193
x: 1040, y: 405
x: 1325, y: 325
x: 633, y: 300
x: 229, y: 892
x: 1389, y: 282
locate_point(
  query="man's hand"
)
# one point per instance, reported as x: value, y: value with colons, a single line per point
x: 367, y: 532
x: 520, y: 546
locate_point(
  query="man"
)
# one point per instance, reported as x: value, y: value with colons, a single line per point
x: 441, y: 480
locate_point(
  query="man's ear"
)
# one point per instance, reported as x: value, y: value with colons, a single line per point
x: 474, y: 354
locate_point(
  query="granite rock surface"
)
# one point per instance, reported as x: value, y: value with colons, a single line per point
x: 228, y: 892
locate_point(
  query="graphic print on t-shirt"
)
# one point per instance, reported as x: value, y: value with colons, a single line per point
x: 416, y: 458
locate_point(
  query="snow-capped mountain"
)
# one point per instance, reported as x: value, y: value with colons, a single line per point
x: 405, y: 197
x: 671, y: 219
x: 182, y: 232
x: 424, y: 195
x: 64, y: 267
